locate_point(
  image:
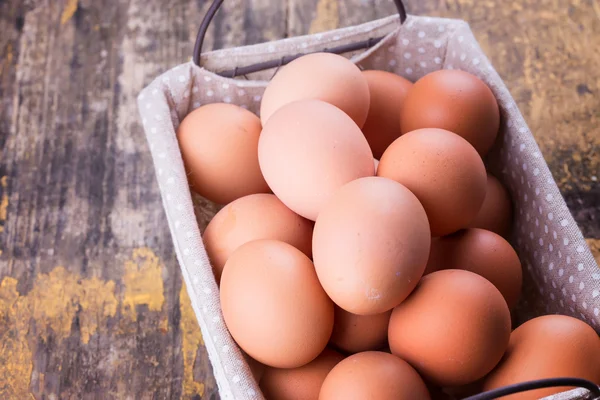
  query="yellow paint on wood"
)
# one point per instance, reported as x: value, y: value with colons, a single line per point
x: 595, y: 248
x: 52, y: 302
x: 191, y: 341
x: 58, y: 296
x: 69, y: 11
x: 98, y: 302
x: 15, y: 356
x: 143, y: 284
x: 327, y: 16
x: 3, y: 199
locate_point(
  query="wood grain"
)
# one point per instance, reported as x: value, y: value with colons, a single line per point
x: 91, y: 299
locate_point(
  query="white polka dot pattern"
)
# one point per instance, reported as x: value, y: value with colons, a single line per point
x: 560, y: 276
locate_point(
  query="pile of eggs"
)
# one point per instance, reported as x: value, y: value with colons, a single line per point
x: 361, y: 249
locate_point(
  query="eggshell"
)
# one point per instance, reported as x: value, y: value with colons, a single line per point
x: 257, y: 216
x: 302, y: 383
x: 273, y: 304
x: 323, y: 76
x: 308, y: 150
x: 550, y: 346
x: 257, y: 369
x: 445, y: 173
x: 388, y: 92
x: 373, y: 375
x: 370, y: 245
x: 453, y: 328
x: 456, y: 101
x: 484, y: 253
x: 219, y: 143
x: 355, y: 333
x: 496, y: 212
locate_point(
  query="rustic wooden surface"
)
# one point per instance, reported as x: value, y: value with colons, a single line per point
x: 91, y: 298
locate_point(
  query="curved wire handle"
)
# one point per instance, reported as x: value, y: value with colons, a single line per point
x: 538, y: 384
x: 216, y: 4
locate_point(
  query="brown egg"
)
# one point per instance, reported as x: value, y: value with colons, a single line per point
x: 496, y: 212
x: 355, y: 333
x: 388, y: 92
x: 257, y: 369
x: 308, y: 150
x: 258, y: 216
x: 455, y: 101
x: 548, y: 347
x: 302, y: 383
x: 273, y: 304
x: 370, y: 245
x: 219, y: 143
x: 322, y: 76
x: 453, y: 328
x: 445, y: 173
x: 484, y: 253
x: 373, y: 375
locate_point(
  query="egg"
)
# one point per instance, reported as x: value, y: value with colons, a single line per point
x: 322, y: 76
x: 484, y: 253
x: 373, y: 375
x: 355, y: 333
x: 308, y: 150
x: 219, y: 146
x: 550, y: 346
x: 387, y: 93
x: 302, y: 383
x: 455, y: 101
x: 370, y: 245
x: 257, y: 369
x: 453, y: 328
x: 273, y: 305
x: 257, y: 216
x: 496, y: 212
x: 445, y: 173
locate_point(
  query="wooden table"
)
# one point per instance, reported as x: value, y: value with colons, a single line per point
x: 91, y: 298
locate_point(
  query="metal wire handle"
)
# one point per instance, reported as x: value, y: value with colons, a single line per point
x: 538, y: 384
x: 216, y: 4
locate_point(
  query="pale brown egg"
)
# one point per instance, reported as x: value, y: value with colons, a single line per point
x: 445, y: 173
x: 322, y: 76
x: 370, y: 245
x: 496, y: 211
x: 355, y: 333
x: 219, y: 144
x: 373, y: 375
x: 388, y: 92
x: 455, y: 101
x: 484, y: 253
x: 302, y: 383
x: 308, y: 150
x: 550, y: 346
x: 257, y: 216
x: 453, y: 328
x: 273, y: 304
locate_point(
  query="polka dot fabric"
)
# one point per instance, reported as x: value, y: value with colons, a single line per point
x: 561, y: 275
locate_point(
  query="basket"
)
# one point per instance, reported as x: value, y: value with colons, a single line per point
x: 560, y: 273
